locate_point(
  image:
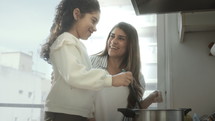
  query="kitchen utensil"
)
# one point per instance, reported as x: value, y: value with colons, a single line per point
x: 155, y: 114
x: 133, y: 92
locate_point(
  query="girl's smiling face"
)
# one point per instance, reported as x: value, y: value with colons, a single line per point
x: 85, y: 24
x: 117, y: 43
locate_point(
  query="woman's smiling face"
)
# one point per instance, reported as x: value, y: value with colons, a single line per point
x: 117, y: 43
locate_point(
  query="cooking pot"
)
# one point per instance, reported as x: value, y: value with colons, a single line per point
x: 154, y: 114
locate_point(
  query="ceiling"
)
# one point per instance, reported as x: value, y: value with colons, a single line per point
x: 114, y: 2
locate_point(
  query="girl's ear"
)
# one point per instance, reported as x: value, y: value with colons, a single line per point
x: 76, y: 13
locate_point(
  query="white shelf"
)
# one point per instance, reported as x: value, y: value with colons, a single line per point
x: 195, y: 22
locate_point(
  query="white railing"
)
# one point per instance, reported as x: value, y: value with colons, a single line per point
x: 18, y: 105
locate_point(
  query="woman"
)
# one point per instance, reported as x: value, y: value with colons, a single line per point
x: 121, y: 53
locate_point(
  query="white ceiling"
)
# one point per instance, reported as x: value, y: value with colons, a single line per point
x: 114, y: 2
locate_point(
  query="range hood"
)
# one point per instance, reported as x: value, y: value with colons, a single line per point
x: 168, y: 6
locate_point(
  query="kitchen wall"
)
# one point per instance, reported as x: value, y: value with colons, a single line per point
x: 185, y: 67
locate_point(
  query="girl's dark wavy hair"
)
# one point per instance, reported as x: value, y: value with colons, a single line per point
x: 64, y: 20
x: 131, y: 61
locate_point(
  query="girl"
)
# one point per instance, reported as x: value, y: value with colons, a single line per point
x: 73, y: 88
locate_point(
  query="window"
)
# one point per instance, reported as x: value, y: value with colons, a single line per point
x: 25, y: 77
x: 146, y: 26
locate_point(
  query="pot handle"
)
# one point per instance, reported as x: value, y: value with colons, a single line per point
x: 129, y: 113
x: 186, y: 110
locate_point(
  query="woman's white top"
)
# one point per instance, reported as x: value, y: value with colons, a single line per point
x: 75, y: 83
x: 108, y: 100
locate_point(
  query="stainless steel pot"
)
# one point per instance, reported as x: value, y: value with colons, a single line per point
x: 155, y: 114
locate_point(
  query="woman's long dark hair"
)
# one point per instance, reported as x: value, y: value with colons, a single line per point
x: 64, y: 20
x: 131, y: 62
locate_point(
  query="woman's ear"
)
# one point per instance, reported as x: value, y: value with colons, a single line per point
x: 76, y: 13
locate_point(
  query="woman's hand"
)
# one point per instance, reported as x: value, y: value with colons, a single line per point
x: 156, y: 96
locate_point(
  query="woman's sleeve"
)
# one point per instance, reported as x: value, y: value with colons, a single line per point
x: 68, y: 63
